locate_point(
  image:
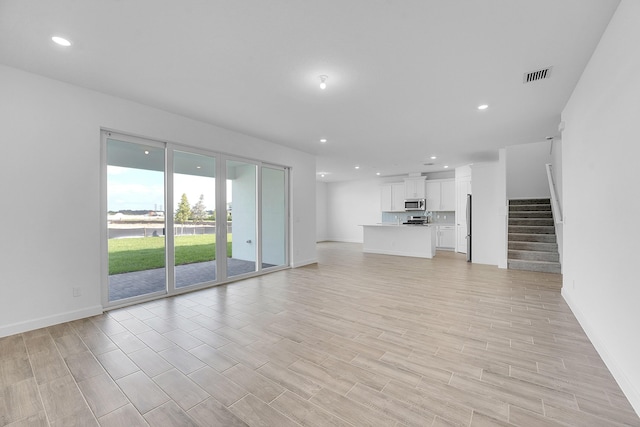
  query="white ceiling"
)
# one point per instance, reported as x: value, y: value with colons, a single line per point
x: 405, y: 76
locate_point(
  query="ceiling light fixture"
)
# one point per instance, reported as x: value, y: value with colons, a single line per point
x: 323, y: 140
x: 61, y: 41
x: 321, y: 175
x: 378, y: 173
x: 446, y: 166
x: 433, y: 157
x: 323, y: 81
x: 357, y: 167
x: 146, y: 151
x: 483, y: 107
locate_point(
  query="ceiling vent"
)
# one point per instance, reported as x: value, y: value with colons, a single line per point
x: 536, y: 75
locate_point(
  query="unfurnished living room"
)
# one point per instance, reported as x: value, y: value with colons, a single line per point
x: 340, y: 213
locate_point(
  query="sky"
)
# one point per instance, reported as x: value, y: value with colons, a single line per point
x: 139, y: 189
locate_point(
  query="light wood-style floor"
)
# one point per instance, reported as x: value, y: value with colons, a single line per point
x: 357, y: 340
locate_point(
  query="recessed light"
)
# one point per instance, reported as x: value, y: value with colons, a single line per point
x: 357, y: 167
x: 483, y: 107
x: 378, y: 173
x: 433, y: 157
x: 446, y: 166
x: 198, y: 167
x: 61, y: 41
x: 146, y: 151
x: 323, y: 140
x: 321, y: 175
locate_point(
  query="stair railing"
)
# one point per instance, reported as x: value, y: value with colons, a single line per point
x: 555, y: 205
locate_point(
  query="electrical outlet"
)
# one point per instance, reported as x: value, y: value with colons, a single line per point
x: 77, y: 292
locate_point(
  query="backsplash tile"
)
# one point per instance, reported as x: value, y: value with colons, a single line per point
x: 436, y: 217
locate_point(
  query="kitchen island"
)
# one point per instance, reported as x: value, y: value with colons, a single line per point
x: 403, y: 240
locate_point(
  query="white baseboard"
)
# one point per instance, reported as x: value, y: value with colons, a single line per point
x: 397, y: 253
x: 627, y: 386
x: 344, y: 240
x: 303, y: 263
x: 43, y: 322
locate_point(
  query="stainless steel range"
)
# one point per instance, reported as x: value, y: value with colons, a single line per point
x: 417, y: 220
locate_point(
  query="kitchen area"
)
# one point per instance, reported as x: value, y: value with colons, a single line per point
x: 418, y: 218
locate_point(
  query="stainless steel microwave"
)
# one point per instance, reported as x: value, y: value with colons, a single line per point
x: 414, y: 205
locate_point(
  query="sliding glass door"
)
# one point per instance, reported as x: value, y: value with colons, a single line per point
x: 274, y: 217
x: 179, y: 218
x: 135, y: 219
x: 241, y: 218
x: 194, y: 219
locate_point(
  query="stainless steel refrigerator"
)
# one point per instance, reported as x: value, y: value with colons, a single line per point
x: 468, y: 227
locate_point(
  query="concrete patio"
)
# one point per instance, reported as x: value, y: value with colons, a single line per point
x: 127, y: 285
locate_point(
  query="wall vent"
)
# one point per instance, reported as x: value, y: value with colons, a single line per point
x: 536, y: 75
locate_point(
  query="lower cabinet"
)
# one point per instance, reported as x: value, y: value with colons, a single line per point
x: 446, y: 237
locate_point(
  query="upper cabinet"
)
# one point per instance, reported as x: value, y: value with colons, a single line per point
x: 448, y: 195
x: 392, y: 197
x: 433, y: 195
x: 414, y: 188
x: 441, y: 195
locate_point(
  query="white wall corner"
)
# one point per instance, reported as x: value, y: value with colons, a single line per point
x: 503, y: 210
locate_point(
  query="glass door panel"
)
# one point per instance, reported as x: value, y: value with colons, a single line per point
x: 135, y: 219
x: 241, y: 217
x: 194, y: 197
x: 274, y: 217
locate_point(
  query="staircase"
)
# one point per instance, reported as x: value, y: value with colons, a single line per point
x: 532, y: 236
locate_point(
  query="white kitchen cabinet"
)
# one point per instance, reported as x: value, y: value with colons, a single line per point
x: 414, y: 188
x: 446, y: 237
x: 433, y: 196
x: 441, y: 195
x: 397, y: 197
x: 448, y: 195
x: 392, y: 197
x: 386, y: 197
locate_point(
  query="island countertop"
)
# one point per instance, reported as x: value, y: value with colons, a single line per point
x: 399, y: 239
x: 392, y: 224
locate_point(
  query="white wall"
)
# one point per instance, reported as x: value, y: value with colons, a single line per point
x: 600, y: 153
x: 352, y: 204
x: 322, y: 210
x: 50, y: 178
x: 526, y: 173
x: 485, y: 226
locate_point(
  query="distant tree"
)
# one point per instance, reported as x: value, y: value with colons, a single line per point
x: 183, y: 213
x: 199, y: 212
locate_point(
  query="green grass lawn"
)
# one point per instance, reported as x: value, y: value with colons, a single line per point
x: 145, y: 253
